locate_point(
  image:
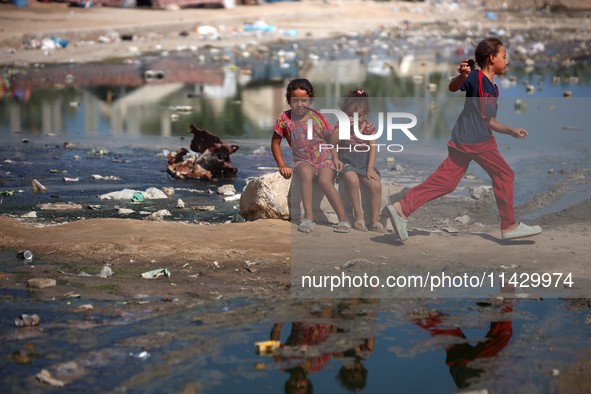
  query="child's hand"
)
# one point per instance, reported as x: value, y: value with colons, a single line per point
x: 373, y: 175
x: 338, y: 165
x: 518, y: 133
x: 464, y: 69
x: 285, y: 171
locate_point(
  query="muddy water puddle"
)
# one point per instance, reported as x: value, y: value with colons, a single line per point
x: 327, y: 346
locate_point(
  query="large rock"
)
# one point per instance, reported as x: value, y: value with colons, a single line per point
x: 273, y: 197
x: 266, y: 198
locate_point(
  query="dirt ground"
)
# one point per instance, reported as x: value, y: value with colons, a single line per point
x: 254, y: 259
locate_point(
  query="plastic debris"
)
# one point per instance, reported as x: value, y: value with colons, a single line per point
x: 126, y: 194
x: 206, y: 208
x: 29, y: 215
x: 106, y: 178
x: 67, y: 179
x: 156, y: 273
x: 125, y: 211
x: 25, y: 254
x: 137, y: 197
x: 159, y: 215
x: 180, y: 204
x: 491, y: 15
x: 26, y: 320
x: 140, y: 356
x: 267, y: 348
x: 233, y: 198
x: 45, y: 377
x: 38, y: 187
x: 169, y: 191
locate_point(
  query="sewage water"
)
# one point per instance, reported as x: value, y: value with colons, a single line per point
x: 369, y: 345
x: 515, y: 345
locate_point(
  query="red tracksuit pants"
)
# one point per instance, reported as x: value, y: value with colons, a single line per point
x: 450, y: 172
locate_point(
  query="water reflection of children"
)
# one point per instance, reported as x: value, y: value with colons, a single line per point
x: 303, y: 334
x: 460, y: 355
x: 472, y: 139
x: 353, y: 376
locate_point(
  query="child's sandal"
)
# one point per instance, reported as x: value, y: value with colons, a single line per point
x: 343, y: 227
x: 306, y: 226
x: 378, y: 228
x: 359, y: 225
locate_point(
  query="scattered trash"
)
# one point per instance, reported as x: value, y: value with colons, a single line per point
x: 233, y: 198
x: 41, y: 283
x: 125, y: 211
x: 226, y: 308
x: 105, y: 178
x: 29, y: 215
x: 490, y: 15
x: 140, y: 356
x: 25, y: 254
x: 567, y: 93
x: 520, y: 106
x: 127, y: 194
x: 156, y: 273
x: 227, y: 190
x: 261, y: 26
x: 158, y: 216
x: 137, y: 197
x: 169, y: 191
x: 105, y: 272
x: 267, y: 348
x: 480, y: 192
x: 94, y: 207
x: 60, y: 42
x: 26, y: 320
x: 66, y: 179
x: 86, y: 306
x: 7, y: 193
x: 38, y: 187
x: 45, y: 377
x: 180, y: 204
x: 206, y: 208
x: 462, y: 219
x: 555, y: 372
x: 213, y: 160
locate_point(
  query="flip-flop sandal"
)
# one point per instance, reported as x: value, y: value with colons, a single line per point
x: 306, y: 226
x: 398, y: 223
x: 378, y: 228
x: 339, y: 228
x: 523, y: 230
x: 359, y: 225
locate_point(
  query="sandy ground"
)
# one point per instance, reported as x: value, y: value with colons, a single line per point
x: 157, y: 30
x: 209, y: 262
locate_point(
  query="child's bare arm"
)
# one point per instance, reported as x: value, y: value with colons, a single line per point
x: 516, y: 132
x: 334, y: 141
x: 464, y: 71
x: 276, y: 149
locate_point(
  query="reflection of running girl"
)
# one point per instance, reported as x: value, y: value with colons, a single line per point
x: 472, y: 139
x: 460, y: 355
